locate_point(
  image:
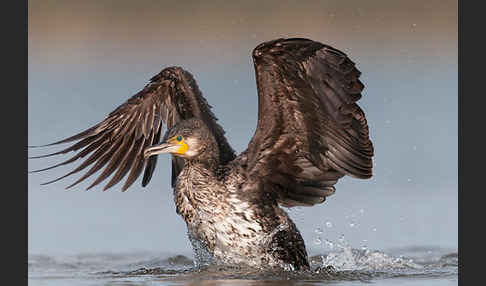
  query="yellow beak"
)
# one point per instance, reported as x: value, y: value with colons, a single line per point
x: 172, y: 146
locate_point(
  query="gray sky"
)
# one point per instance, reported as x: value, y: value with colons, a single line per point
x: 87, y: 57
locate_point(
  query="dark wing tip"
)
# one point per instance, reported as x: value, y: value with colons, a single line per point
x: 278, y: 42
x: 83, y: 134
x: 46, y: 155
x: 38, y: 146
x: 284, y: 44
x: 168, y: 73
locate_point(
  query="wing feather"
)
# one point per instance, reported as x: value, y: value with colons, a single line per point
x: 74, y: 147
x: 81, y: 154
x: 310, y: 131
x: 115, y: 145
x: 125, y: 164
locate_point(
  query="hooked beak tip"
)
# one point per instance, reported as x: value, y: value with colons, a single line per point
x: 158, y: 149
x: 146, y: 154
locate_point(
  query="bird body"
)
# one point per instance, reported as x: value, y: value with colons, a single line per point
x: 228, y: 223
x: 310, y: 133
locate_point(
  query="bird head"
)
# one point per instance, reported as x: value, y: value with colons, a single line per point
x: 189, y: 139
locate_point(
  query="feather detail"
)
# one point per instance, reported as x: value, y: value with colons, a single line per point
x: 307, y: 94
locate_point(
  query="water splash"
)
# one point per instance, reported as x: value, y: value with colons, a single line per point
x: 342, y: 256
x: 202, y: 257
x: 329, y: 244
x: 348, y: 258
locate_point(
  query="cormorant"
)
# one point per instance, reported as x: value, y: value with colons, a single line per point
x: 310, y: 133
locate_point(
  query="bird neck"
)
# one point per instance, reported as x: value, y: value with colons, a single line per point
x: 211, y: 164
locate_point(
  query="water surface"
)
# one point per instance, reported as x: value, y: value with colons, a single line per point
x: 349, y: 266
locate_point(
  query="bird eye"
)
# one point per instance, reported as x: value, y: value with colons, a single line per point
x: 179, y: 138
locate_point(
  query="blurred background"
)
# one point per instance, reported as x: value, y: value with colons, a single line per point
x: 87, y: 57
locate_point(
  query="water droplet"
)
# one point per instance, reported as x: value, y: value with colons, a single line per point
x: 317, y: 241
x: 329, y: 243
x: 341, y: 238
x: 318, y: 230
x: 329, y: 224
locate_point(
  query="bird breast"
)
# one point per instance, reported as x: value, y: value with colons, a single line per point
x: 217, y: 216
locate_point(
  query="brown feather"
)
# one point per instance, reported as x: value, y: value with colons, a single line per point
x: 307, y: 90
x: 169, y: 97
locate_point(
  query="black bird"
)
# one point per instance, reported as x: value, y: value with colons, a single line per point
x: 310, y: 133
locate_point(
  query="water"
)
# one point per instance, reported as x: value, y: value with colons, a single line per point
x: 350, y: 266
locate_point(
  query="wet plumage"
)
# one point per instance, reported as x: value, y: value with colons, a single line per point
x: 310, y: 133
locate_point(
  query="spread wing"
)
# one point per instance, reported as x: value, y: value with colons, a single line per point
x: 117, y: 143
x: 310, y: 131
